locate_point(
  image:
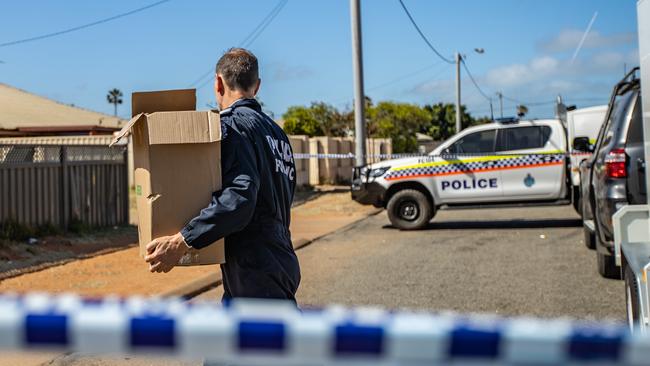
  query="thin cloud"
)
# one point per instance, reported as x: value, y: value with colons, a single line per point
x: 547, y: 68
x: 568, y: 40
x: 284, y: 72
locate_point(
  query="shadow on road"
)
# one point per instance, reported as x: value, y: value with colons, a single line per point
x: 500, y: 224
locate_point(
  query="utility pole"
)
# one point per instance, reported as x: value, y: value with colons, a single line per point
x: 500, y: 95
x: 491, y: 110
x: 359, y: 95
x: 459, y: 59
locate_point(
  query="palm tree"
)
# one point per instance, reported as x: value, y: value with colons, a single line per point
x: 522, y: 110
x: 114, y: 97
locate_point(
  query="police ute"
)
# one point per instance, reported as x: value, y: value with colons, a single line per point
x: 502, y: 163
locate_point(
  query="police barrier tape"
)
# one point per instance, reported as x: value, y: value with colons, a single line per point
x: 277, y: 333
x: 299, y: 156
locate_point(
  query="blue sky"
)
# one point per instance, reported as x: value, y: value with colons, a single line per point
x: 305, y: 53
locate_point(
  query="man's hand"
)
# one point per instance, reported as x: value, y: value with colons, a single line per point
x: 164, y: 253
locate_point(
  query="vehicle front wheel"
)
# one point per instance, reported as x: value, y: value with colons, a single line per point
x: 409, y: 209
x: 590, y: 237
x: 607, y: 266
x: 632, y: 299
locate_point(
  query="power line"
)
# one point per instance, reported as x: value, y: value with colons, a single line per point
x: 74, y: 29
x: 407, y: 76
x: 423, y: 36
x: 265, y: 23
x: 400, y: 79
x: 201, y: 81
x: 273, y: 11
x: 474, y: 81
x: 503, y: 96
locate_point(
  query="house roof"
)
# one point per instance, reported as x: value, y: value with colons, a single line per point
x: 20, y: 109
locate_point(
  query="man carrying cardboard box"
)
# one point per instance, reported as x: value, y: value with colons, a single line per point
x: 252, y: 210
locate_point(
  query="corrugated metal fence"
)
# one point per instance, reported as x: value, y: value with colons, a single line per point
x: 64, y: 184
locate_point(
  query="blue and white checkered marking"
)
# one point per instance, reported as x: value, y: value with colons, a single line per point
x: 263, y: 332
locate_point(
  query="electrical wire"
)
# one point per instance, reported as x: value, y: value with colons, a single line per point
x: 407, y: 76
x: 206, y: 77
x: 263, y: 24
x: 74, y: 29
x: 462, y: 60
x: 417, y: 28
x: 400, y: 79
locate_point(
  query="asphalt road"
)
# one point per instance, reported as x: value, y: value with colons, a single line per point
x: 528, y: 261
x: 516, y: 261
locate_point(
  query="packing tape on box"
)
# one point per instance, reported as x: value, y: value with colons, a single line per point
x: 300, y: 156
x: 262, y: 332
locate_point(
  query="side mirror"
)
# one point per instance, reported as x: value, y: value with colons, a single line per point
x: 582, y: 144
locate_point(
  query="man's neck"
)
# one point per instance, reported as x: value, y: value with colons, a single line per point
x: 231, y: 98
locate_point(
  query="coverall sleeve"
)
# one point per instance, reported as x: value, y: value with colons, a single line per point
x: 232, y: 207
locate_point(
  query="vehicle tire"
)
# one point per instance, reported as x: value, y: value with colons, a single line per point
x: 409, y: 209
x: 607, y: 266
x: 590, y: 238
x: 577, y: 200
x: 632, y: 299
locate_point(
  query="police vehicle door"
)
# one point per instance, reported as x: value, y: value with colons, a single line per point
x: 532, y: 170
x: 468, y: 175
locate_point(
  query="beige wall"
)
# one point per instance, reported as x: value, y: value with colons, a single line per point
x: 300, y: 145
x: 339, y: 170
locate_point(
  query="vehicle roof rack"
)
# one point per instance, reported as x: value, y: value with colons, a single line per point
x: 506, y: 120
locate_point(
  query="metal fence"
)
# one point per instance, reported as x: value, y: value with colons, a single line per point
x: 64, y: 184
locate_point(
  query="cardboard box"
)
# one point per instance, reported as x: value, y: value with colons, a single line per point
x: 177, y: 161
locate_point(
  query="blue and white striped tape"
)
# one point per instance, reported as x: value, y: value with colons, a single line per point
x: 277, y: 333
x: 300, y: 156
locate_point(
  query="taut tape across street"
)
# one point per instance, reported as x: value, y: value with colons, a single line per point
x: 299, y: 156
x: 276, y: 333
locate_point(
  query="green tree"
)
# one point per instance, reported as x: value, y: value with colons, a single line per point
x: 114, y: 97
x: 319, y: 119
x: 332, y: 122
x: 301, y: 121
x: 399, y: 122
x: 443, y: 120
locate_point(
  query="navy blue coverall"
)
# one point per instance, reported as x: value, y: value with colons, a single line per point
x: 252, y: 210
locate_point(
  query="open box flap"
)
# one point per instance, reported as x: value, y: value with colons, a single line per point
x: 127, y: 128
x: 163, y: 101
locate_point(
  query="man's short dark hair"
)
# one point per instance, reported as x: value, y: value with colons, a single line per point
x: 238, y: 68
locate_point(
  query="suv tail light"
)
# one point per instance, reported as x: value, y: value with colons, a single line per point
x: 615, y: 163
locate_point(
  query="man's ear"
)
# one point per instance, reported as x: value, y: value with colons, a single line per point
x: 257, y: 87
x: 219, y: 86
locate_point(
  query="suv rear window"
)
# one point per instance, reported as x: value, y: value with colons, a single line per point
x: 635, y: 130
x: 522, y: 138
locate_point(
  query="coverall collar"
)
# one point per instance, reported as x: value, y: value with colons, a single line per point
x: 244, y: 102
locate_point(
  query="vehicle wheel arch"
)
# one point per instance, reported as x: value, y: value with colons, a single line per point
x: 408, y: 185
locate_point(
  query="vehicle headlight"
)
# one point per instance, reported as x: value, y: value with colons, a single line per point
x: 374, y: 173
